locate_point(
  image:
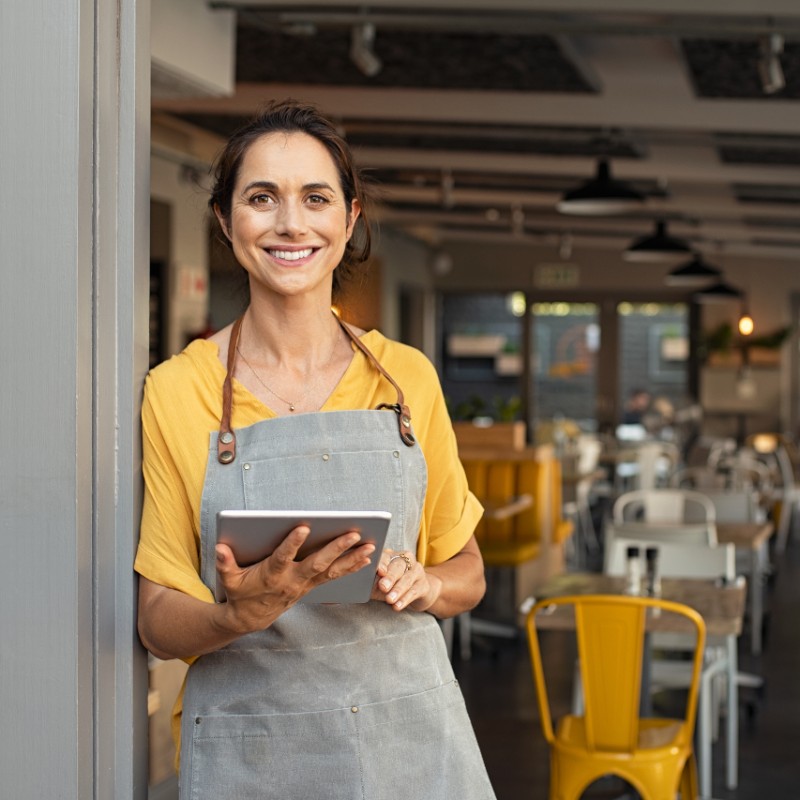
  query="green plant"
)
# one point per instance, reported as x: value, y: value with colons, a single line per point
x: 723, y: 340
x: 507, y: 410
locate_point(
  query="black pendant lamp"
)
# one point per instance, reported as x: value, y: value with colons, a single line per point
x: 696, y: 272
x: 658, y: 247
x: 718, y: 293
x: 601, y: 195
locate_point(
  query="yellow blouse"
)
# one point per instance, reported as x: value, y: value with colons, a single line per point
x: 183, y: 405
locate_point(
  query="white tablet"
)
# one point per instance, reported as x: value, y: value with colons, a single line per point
x: 253, y: 535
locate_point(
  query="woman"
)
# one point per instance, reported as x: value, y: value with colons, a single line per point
x: 291, y: 408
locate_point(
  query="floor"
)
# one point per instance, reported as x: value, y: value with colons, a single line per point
x: 498, y: 688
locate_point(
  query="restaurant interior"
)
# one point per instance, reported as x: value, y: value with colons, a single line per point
x: 588, y: 220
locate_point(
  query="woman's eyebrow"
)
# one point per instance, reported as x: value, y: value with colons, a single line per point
x: 270, y: 186
x: 259, y: 185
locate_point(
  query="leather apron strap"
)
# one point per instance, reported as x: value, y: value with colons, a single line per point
x: 226, y: 441
x: 400, y: 407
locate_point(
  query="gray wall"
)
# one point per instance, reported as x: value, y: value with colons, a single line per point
x: 74, y: 84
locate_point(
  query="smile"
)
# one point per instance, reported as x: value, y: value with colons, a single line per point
x: 291, y: 255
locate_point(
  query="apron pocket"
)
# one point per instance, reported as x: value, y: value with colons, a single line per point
x: 422, y: 747
x: 274, y: 757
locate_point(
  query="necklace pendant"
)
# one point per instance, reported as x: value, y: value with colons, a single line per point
x: 291, y: 407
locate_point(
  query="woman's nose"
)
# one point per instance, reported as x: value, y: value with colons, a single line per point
x: 290, y: 218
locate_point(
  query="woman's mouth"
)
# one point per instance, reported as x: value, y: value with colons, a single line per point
x: 291, y: 255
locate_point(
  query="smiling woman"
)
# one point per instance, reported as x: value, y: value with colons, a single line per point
x: 286, y: 699
x: 289, y: 221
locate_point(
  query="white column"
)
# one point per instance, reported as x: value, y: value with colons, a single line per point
x: 74, y: 141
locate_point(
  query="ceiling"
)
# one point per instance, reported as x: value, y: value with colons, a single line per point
x: 482, y: 116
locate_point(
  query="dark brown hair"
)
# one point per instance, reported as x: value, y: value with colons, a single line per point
x: 290, y: 116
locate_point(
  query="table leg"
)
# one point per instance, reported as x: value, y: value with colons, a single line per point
x: 732, y: 727
x: 759, y: 560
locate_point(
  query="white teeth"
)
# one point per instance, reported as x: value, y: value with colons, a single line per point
x: 291, y: 255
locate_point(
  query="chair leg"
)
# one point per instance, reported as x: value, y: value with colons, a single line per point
x: 689, y: 787
x: 447, y: 626
x: 465, y: 636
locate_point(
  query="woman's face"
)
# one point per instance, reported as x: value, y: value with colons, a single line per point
x: 289, y: 220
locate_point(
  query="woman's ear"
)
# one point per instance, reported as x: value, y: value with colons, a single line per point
x: 222, y: 222
x: 355, y: 213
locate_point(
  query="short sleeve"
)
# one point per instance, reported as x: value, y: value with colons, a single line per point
x: 451, y: 512
x: 168, y: 543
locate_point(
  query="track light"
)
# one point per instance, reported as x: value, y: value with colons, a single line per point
x: 657, y: 247
x: 601, y: 195
x: 696, y: 272
x: 362, y: 53
x: 770, y: 70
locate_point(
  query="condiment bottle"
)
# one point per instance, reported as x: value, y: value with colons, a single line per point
x: 633, y: 571
x: 653, y: 572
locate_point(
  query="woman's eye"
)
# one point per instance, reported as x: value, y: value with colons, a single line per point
x: 317, y: 199
x: 260, y: 199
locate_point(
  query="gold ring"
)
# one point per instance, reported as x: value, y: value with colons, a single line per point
x: 404, y: 557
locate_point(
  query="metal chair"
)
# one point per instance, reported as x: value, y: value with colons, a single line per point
x: 694, y: 560
x: 649, y: 509
x: 654, y: 755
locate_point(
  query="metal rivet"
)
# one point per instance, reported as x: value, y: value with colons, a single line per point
x: 354, y: 709
x: 396, y: 454
x: 406, y: 421
x: 226, y: 457
x: 197, y: 720
x: 325, y: 457
x: 245, y: 466
x: 226, y: 438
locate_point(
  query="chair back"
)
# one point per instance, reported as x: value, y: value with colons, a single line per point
x: 646, y: 465
x: 672, y: 506
x: 675, y: 559
x: 610, y: 635
x: 699, y: 478
x: 736, y: 505
x: 518, y: 538
x: 588, y: 448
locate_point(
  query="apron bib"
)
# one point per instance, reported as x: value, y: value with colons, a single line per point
x: 350, y: 702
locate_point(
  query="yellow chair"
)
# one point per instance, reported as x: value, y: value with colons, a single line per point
x: 517, y: 539
x: 654, y: 755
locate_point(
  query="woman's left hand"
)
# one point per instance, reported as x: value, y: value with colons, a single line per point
x: 402, y: 582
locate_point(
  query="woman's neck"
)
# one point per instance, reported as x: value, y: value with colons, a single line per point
x: 302, y: 336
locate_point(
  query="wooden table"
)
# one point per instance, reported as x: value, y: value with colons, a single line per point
x: 722, y: 609
x: 753, y: 538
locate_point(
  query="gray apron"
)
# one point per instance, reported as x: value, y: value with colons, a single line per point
x: 336, y: 702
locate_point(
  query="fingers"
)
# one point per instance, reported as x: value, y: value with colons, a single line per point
x: 402, y: 579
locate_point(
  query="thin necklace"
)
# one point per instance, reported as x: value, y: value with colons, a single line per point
x: 291, y: 405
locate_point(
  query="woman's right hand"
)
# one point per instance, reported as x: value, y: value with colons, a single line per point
x: 259, y: 594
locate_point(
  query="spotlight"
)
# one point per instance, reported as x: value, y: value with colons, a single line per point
x: 770, y: 70
x: 362, y: 53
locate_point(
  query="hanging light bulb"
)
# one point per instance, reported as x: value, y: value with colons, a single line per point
x: 746, y: 324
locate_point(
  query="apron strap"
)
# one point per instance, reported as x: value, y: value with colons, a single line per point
x: 400, y: 408
x: 226, y: 441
